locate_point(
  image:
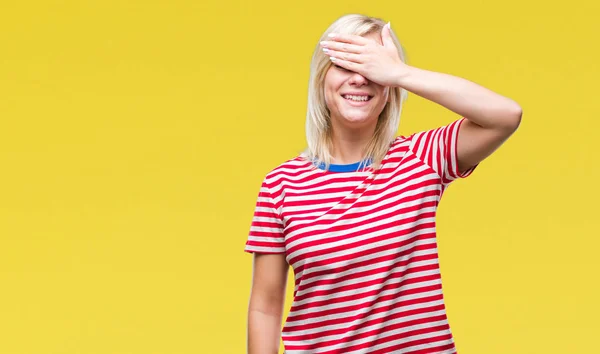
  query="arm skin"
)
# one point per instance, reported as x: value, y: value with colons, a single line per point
x: 490, y: 117
x: 267, y: 298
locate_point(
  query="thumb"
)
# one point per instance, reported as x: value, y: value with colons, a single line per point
x: 386, y: 37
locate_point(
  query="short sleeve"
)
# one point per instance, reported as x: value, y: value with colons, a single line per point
x: 438, y: 149
x: 266, y: 230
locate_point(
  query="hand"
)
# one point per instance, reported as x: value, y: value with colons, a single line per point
x: 378, y: 63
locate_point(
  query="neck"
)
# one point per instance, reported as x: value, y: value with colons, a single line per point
x: 349, y: 143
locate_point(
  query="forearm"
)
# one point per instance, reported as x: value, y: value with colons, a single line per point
x: 264, y: 332
x: 468, y: 99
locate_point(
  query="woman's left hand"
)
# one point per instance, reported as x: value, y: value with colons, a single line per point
x: 378, y: 63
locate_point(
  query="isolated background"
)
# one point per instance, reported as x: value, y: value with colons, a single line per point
x: 134, y: 136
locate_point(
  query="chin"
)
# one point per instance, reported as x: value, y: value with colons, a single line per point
x: 360, y: 120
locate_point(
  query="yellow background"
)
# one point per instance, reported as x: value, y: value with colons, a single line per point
x: 135, y: 134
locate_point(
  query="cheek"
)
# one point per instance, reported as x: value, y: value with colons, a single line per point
x: 383, y: 101
x: 330, y: 95
x: 328, y: 99
x: 388, y: 94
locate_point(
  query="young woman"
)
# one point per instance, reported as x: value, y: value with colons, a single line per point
x: 354, y: 214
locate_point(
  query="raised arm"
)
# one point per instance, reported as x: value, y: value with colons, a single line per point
x: 491, y: 117
x: 267, y: 297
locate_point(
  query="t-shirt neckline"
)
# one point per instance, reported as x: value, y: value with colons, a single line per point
x: 350, y: 167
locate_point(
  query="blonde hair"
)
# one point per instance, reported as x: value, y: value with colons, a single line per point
x: 318, y: 124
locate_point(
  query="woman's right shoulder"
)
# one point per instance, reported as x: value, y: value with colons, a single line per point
x: 290, y: 167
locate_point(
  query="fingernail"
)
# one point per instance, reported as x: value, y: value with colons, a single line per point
x: 332, y: 35
x: 389, y: 25
x: 325, y: 50
x: 324, y: 43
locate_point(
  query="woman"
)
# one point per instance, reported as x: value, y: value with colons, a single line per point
x: 354, y: 214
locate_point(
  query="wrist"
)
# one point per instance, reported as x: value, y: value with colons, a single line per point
x: 402, y: 74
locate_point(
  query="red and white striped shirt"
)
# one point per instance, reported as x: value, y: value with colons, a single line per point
x: 363, y: 248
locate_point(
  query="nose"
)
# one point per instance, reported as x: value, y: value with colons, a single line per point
x: 357, y: 79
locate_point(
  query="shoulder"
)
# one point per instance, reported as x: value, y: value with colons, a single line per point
x: 401, y: 142
x: 286, y: 169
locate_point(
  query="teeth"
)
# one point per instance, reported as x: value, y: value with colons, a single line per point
x: 356, y: 98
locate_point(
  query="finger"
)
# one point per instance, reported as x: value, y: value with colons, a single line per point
x: 343, y: 56
x: 348, y: 38
x: 386, y: 36
x: 345, y: 64
x: 343, y: 47
x: 357, y: 58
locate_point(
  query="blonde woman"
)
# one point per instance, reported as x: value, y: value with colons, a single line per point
x: 354, y: 214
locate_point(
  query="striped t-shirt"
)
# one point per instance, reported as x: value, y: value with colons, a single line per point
x: 363, y: 248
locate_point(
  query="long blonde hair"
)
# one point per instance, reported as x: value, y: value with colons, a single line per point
x: 318, y: 119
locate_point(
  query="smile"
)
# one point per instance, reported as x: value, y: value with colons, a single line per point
x: 357, y: 101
